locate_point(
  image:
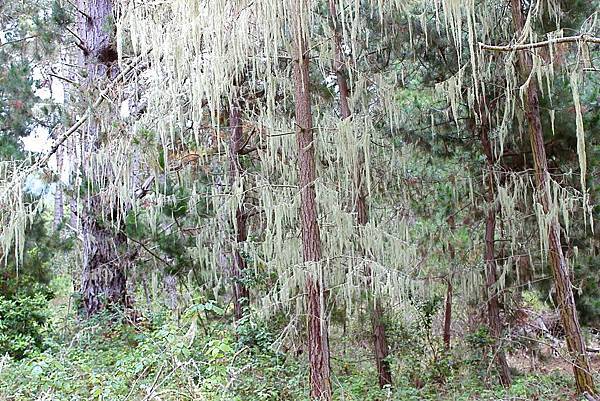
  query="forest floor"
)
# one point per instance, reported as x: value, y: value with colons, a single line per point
x: 209, y: 361
x: 201, y: 356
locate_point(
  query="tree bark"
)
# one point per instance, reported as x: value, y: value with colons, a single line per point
x: 104, y: 282
x: 58, y: 194
x: 240, y: 291
x: 493, y: 307
x: 318, y: 338
x: 380, y: 345
x: 447, y: 330
x: 558, y: 263
x: 448, y: 314
x: 491, y: 267
x: 104, y: 260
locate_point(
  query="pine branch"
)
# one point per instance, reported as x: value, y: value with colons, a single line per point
x: 13, y: 42
x: 525, y: 46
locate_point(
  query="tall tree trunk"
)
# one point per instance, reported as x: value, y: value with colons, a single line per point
x: 558, y: 262
x: 491, y: 268
x: 240, y: 291
x: 380, y: 346
x: 318, y: 337
x: 104, y: 265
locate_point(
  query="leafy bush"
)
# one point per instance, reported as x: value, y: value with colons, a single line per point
x: 22, y: 324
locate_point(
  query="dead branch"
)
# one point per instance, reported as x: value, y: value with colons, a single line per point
x: 583, y: 38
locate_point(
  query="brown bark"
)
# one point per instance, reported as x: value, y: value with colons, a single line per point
x: 104, y: 260
x: 448, y: 314
x: 380, y: 346
x: 318, y: 338
x: 558, y: 263
x: 240, y: 291
x: 447, y: 330
x: 98, y: 52
x: 103, y: 278
x: 493, y: 307
x: 491, y: 268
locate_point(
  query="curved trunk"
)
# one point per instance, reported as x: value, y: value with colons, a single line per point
x: 558, y: 262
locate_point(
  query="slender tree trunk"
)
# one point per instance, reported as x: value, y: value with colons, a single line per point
x: 318, y: 337
x: 491, y: 268
x: 447, y: 330
x: 380, y: 345
x: 58, y: 194
x: 558, y: 262
x: 493, y: 307
x: 240, y: 291
x: 171, y: 292
x: 448, y: 314
x: 104, y: 263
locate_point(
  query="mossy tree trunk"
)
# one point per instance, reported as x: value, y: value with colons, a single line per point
x: 318, y: 336
x: 558, y: 263
x: 380, y: 345
x: 236, y: 143
x: 491, y: 268
x: 104, y: 250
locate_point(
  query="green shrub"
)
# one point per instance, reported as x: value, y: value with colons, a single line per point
x: 22, y: 323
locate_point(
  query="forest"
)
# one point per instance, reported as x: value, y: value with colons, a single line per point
x: 353, y: 200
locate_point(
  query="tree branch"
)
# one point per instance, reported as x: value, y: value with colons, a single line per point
x: 60, y: 140
x: 525, y: 46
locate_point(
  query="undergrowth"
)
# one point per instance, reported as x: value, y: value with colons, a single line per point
x: 202, y: 357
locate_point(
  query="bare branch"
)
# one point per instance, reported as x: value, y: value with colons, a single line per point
x: 12, y: 42
x: 60, y: 140
x: 525, y: 46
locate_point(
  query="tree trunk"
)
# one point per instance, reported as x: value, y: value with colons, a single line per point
x: 104, y: 262
x: 558, y: 262
x: 448, y: 314
x: 318, y: 338
x: 103, y: 279
x: 491, y: 268
x: 447, y: 330
x: 58, y: 194
x: 240, y: 291
x: 380, y: 346
x: 172, y: 293
x: 493, y: 307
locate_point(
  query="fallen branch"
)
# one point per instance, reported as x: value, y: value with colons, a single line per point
x: 525, y: 46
